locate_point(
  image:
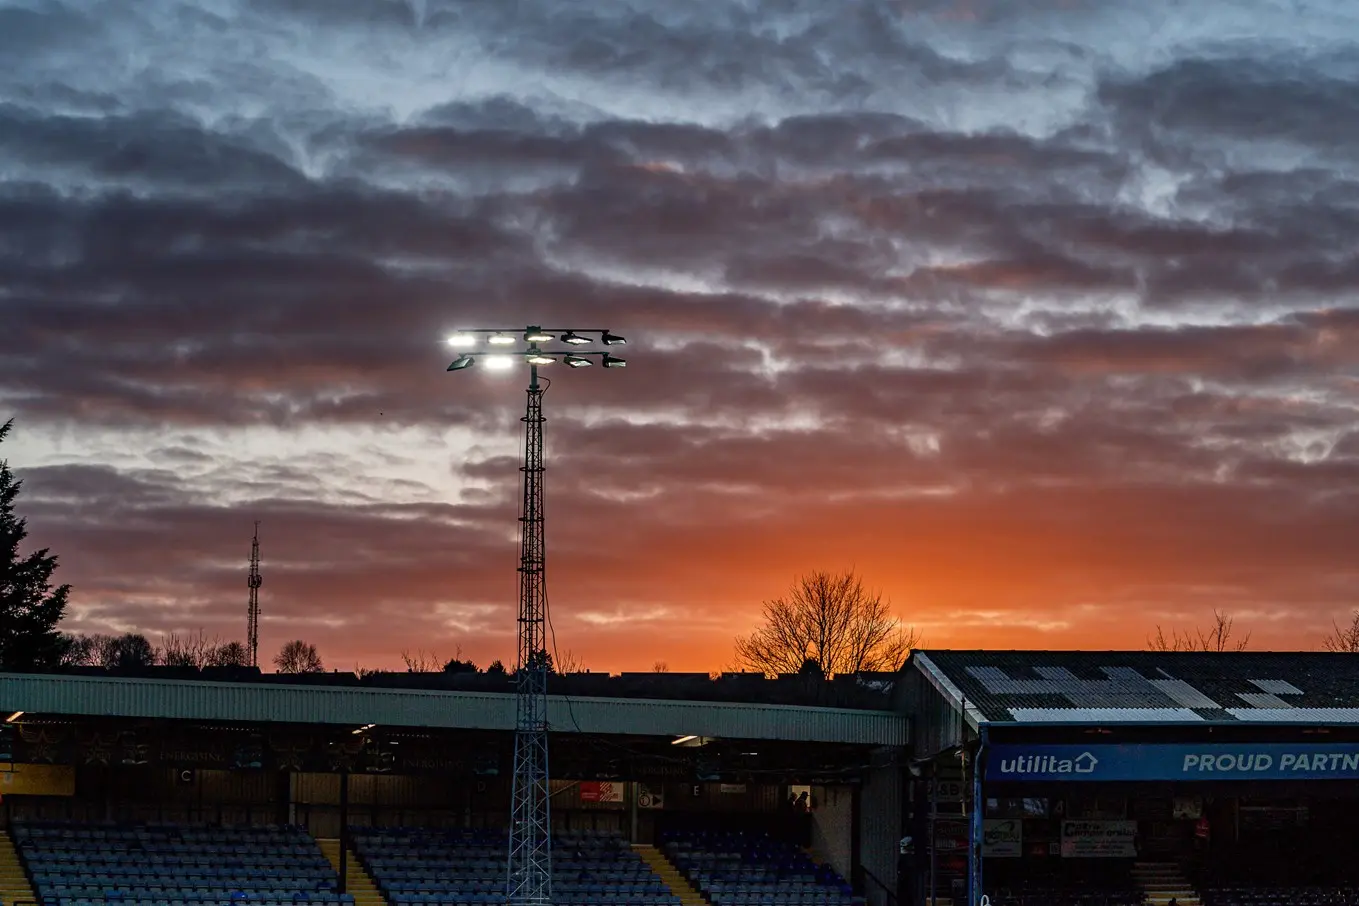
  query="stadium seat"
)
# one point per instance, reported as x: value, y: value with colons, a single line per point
x: 733, y: 868
x: 425, y: 867
x: 166, y: 865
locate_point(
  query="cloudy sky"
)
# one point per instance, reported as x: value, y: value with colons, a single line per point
x: 1041, y: 314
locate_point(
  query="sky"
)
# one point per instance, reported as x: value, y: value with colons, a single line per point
x: 1041, y: 315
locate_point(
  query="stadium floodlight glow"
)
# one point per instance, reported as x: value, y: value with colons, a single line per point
x: 13, y: 717
x: 528, y: 874
x: 683, y: 739
x: 462, y: 340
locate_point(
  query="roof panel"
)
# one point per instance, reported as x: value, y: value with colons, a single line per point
x: 1002, y: 685
x: 260, y: 703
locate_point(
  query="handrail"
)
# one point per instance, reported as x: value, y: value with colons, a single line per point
x: 891, y: 894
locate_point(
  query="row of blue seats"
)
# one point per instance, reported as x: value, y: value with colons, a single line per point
x: 499, y: 898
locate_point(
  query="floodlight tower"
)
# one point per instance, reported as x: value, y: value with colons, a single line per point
x: 252, y: 613
x: 528, y: 875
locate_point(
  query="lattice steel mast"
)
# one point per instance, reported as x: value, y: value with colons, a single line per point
x: 252, y: 614
x: 530, y: 854
x: 528, y: 875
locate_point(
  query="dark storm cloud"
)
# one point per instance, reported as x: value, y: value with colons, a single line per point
x: 1033, y: 274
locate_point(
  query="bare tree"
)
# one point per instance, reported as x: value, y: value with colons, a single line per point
x: 229, y: 654
x: 422, y: 661
x: 129, y: 650
x: 832, y: 621
x: 298, y: 657
x: 660, y: 667
x: 1344, y: 638
x: 566, y: 662
x: 1220, y: 636
x: 78, y: 651
x: 187, y: 650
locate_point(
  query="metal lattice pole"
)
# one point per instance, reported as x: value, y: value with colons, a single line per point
x: 529, y: 880
x: 252, y: 614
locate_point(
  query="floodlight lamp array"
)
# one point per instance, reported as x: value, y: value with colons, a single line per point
x: 501, y: 358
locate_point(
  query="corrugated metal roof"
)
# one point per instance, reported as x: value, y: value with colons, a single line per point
x: 1148, y: 686
x: 260, y: 703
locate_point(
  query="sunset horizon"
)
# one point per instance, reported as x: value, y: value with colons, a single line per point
x: 1040, y: 317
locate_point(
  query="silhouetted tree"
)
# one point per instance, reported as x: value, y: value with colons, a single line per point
x: 831, y: 620
x: 1344, y: 638
x: 660, y: 667
x: 30, y: 607
x: 1220, y: 636
x: 298, y: 657
x: 77, y: 651
x: 496, y: 668
x: 566, y: 662
x: 195, y: 651
x: 422, y: 661
x: 458, y: 665
x: 229, y: 654
x: 129, y: 651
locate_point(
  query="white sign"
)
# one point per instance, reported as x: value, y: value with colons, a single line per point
x: 1003, y: 838
x: 948, y: 790
x: 650, y: 797
x: 1099, y: 839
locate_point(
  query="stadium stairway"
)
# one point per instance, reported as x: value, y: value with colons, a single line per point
x: 356, y: 881
x: 14, y: 886
x: 678, y: 884
x: 1162, y: 882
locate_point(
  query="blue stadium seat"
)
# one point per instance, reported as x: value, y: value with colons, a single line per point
x: 432, y: 867
x: 732, y: 868
x: 166, y: 865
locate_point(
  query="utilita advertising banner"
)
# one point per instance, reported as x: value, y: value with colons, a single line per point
x: 1262, y: 761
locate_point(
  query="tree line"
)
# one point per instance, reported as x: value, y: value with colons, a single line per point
x: 827, y: 624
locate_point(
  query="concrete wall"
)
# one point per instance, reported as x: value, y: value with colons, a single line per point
x: 880, y: 828
x: 833, y: 827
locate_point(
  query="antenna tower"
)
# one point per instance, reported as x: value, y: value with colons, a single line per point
x: 252, y: 616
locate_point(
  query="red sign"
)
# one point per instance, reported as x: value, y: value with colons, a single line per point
x: 600, y: 791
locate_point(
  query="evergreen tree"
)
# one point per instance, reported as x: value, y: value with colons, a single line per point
x: 30, y: 608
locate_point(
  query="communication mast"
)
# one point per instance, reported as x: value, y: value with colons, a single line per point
x: 252, y: 617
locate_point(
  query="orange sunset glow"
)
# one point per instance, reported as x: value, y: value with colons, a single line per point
x: 1040, y: 317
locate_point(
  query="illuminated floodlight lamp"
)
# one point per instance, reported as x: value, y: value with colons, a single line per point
x: 500, y: 362
x: 536, y: 335
x: 574, y: 338
x: 500, y: 339
x: 13, y: 717
x: 612, y: 339
x: 613, y: 361
x: 576, y: 361
x: 679, y: 741
x: 537, y: 358
x: 461, y: 362
x: 462, y: 340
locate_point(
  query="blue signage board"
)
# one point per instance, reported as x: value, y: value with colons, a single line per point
x: 1185, y: 763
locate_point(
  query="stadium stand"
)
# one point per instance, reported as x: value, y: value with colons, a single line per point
x: 415, y: 866
x: 1070, y: 882
x: 738, y: 868
x: 14, y: 886
x: 156, y: 865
